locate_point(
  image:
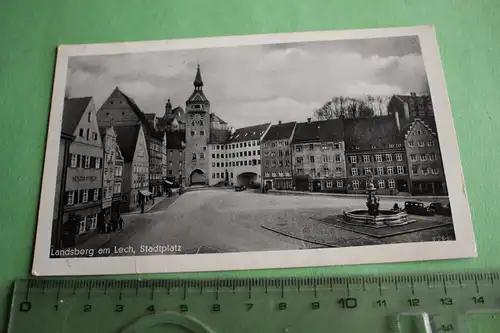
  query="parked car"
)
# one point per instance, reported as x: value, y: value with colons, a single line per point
x: 240, y: 188
x: 440, y: 209
x: 417, y: 208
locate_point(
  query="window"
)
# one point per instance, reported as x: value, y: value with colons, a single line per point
x: 311, y: 159
x: 435, y: 171
x: 378, y: 158
x: 329, y: 183
x: 300, y: 171
x: 432, y: 156
x: 325, y: 158
x: 336, y: 146
x: 89, y: 118
x: 287, y: 163
x: 324, y: 146
x: 273, y: 164
x: 413, y: 157
x: 353, y: 159
x: 74, y: 160
x: 337, y: 158
x: 388, y: 157
x: 355, y: 184
x: 241, y: 145
x: 280, y: 173
x: 85, y: 195
x: 213, y: 155
x: 381, y: 183
x: 326, y: 171
x: 82, y: 132
x: 423, y: 157
x: 254, y: 152
x: 338, y: 170
x: 93, y: 221
x: 98, y: 163
x: 421, y: 144
x: 245, y: 153
x: 96, y: 194
x: 202, y: 132
x: 71, y: 197
x: 419, y: 132
x: 313, y: 172
x: 425, y: 171
x: 366, y: 158
x: 193, y: 133
x: 218, y: 164
x: 411, y: 143
x: 399, y: 157
x: 217, y: 175
x: 298, y: 148
x: 340, y: 183
x: 401, y: 169
x: 300, y: 160
x: 87, y: 162
x: 280, y: 153
x: 311, y: 146
x: 170, y: 153
x: 266, y: 164
x: 267, y: 174
x: 367, y: 171
x: 430, y: 144
x: 94, y: 135
x: 380, y: 171
x: 392, y: 183
x: 354, y: 171
x: 390, y: 170
x: 82, y: 224
x: 194, y: 157
x: 414, y: 170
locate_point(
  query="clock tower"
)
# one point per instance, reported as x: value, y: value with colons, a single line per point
x: 197, y: 134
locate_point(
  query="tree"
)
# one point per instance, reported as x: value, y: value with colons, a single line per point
x: 349, y: 107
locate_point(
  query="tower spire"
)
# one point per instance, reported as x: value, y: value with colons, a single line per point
x: 198, y: 82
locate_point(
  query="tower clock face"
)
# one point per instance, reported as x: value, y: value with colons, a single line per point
x: 198, y: 117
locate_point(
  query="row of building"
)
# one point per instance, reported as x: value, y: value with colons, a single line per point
x: 114, y: 159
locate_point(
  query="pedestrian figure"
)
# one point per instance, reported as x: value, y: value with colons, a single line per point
x: 266, y: 188
x: 120, y: 223
x: 142, y: 208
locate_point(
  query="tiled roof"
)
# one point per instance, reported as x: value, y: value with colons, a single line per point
x: 73, y: 112
x: 372, y: 133
x: 216, y: 119
x: 428, y: 122
x: 176, y: 139
x: 280, y: 131
x: 126, y: 137
x: 250, y: 133
x: 157, y: 134
x: 319, y: 131
x: 218, y: 135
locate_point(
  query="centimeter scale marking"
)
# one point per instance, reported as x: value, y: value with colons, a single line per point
x: 461, y: 302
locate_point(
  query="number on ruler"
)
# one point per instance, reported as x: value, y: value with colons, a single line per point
x: 446, y: 328
x: 446, y: 301
x: 414, y: 302
x: 216, y: 307
x: 183, y: 308
x: 87, y: 308
x: 282, y: 306
x: 315, y: 305
x: 478, y: 300
x: 151, y: 308
x: 348, y: 303
x: 249, y: 306
x: 119, y: 308
x: 381, y: 303
x: 25, y: 306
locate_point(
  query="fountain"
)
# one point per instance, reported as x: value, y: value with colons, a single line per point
x: 373, y: 216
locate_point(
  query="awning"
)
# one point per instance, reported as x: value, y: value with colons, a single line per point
x: 145, y: 193
x: 168, y: 182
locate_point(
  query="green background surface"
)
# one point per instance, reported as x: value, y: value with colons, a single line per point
x: 467, y: 33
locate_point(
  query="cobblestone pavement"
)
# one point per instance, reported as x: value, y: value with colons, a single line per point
x: 228, y: 221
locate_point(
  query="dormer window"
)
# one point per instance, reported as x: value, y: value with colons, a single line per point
x: 197, y: 106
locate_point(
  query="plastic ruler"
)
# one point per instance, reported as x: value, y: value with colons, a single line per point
x: 466, y: 303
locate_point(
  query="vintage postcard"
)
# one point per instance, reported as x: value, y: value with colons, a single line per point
x: 249, y: 152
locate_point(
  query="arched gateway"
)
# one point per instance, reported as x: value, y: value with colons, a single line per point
x: 197, y: 177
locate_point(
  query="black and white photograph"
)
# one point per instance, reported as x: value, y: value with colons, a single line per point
x: 264, y: 151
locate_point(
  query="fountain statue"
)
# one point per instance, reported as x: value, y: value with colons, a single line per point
x: 372, y: 200
x: 373, y: 216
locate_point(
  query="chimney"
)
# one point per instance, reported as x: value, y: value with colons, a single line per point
x: 279, y: 122
x: 396, y: 115
x: 412, y: 94
x: 309, y: 120
x: 406, y: 111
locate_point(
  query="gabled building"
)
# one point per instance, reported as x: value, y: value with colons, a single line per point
x: 118, y: 195
x: 377, y: 145
x: 276, y: 156
x: 83, y: 178
x: 318, y: 156
x: 411, y: 106
x: 424, y: 159
x: 135, y: 177
x: 175, y: 156
x: 108, y: 136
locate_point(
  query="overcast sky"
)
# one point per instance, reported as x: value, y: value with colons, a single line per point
x: 256, y: 84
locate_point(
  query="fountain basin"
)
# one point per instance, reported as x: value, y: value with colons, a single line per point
x: 385, y: 218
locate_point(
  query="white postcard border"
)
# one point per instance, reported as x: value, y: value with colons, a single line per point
x: 463, y: 247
